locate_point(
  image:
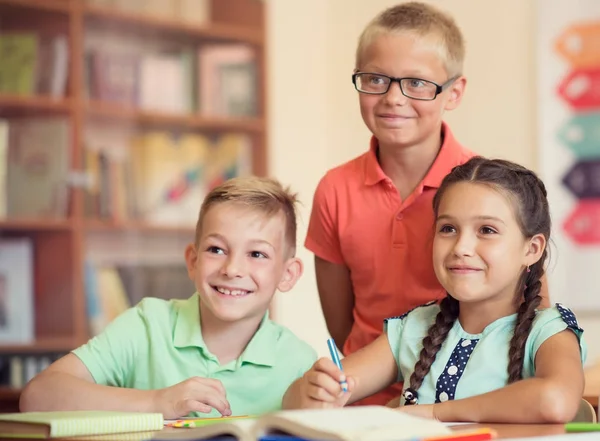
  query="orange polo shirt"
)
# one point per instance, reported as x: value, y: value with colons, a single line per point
x: 358, y: 219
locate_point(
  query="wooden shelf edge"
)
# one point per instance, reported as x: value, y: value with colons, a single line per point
x: 96, y: 225
x: 36, y: 102
x: 36, y: 224
x: 9, y: 393
x: 97, y: 109
x: 46, y: 5
x: 40, y: 346
x: 213, y: 31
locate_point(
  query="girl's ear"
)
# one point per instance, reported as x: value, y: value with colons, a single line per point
x: 291, y: 273
x: 535, y: 248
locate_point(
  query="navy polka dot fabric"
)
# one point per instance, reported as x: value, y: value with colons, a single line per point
x: 400, y: 317
x: 569, y: 318
x: 447, y: 382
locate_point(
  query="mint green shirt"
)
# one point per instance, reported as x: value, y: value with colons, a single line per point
x: 159, y: 343
x: 470, y: 364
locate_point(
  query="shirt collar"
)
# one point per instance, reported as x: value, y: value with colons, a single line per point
x: 188, y: 333
x: 448, y: 156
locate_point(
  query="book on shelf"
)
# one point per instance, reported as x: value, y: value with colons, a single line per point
x: 354, y: 423
x: 157, y: 176
x: 16, y: 291
x: 112, y: 288
x: 228, y: 82
x: 37, y: 164
x: 158, y: 80
x: 76, y: 423
x: 194, y: 12
x: 16, y: 370
x: 33, y: 64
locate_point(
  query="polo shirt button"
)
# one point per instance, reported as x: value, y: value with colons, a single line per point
x: 399, y: 216
x: 452, y: 370
x: 465, y: 343
x: 444, y: 397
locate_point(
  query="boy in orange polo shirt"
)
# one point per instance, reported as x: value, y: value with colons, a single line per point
x: 372, y: 218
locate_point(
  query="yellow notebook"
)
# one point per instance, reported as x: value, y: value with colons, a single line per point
x: 76, y: 423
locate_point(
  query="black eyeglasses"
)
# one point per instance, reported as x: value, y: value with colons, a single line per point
x: 415, y: 88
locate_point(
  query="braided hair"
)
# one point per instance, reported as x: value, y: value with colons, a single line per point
x: 529, y: 196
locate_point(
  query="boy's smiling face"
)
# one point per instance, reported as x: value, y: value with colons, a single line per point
x: 240, y: 260
x: 394, y: 119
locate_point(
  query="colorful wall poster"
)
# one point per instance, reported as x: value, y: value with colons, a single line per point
x: 568, y: 86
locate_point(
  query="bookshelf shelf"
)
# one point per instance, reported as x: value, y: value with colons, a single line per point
x: 135, y: 226
x: 35, y: 225
x: 173, y: 28
x: 8, y: 393
x: 44, y: 345
x: 34, y: 105
x: 139, y: 117
x: 44, y: 5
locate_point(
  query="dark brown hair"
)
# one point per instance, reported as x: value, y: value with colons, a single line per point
x: 528, y: 194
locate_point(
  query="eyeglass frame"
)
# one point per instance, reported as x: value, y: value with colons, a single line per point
x: 439, y: 88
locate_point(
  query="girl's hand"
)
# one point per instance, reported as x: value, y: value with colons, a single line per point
x: 420, y: 410
x: 320, y: 386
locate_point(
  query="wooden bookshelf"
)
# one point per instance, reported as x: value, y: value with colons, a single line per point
x: 144, y: 118
x: 60, y: 245
x: 34, y: 105
x: 138, y: 227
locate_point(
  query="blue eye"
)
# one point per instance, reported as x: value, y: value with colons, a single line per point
x: 416, y: 83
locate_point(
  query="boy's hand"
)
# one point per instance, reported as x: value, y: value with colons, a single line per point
x: 320, y: 386
x: 195, y: 394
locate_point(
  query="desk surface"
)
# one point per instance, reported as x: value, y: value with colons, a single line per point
x: 504, y: 431
x: 508, y: 431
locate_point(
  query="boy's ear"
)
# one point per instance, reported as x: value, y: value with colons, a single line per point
x: 535, y: 248
x: 293, y: 269
x: 455, y: 93
x: 191, y: 257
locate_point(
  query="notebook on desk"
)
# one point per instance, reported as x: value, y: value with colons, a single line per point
x: 76, y: 423
x: 364, y: 423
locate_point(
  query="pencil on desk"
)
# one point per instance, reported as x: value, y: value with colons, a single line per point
x: 582, y: 427
x: 484, y: 434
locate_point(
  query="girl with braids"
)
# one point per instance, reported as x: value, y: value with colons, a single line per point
x: 486, y: 352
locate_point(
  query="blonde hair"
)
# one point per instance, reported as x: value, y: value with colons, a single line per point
x: 264, y: 195
x: 424, y: 21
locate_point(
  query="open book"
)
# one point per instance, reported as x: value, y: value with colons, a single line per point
x: 365, y: 423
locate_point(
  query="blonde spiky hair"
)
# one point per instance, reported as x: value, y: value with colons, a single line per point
x: 424, y: 21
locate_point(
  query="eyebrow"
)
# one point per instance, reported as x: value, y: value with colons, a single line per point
x: 253, y: 241
x: 483, y: 218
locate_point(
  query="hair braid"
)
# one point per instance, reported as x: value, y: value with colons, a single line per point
x: 436, y: 335
x: 525, y: 316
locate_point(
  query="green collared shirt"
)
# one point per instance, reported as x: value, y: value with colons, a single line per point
x: 159, y: 343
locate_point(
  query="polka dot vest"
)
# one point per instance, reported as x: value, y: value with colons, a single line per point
x: 447, y: 382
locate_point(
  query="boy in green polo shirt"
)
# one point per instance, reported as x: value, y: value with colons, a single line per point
x: 216, y: 353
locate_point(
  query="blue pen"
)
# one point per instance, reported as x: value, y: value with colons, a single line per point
x: 336, y: 359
